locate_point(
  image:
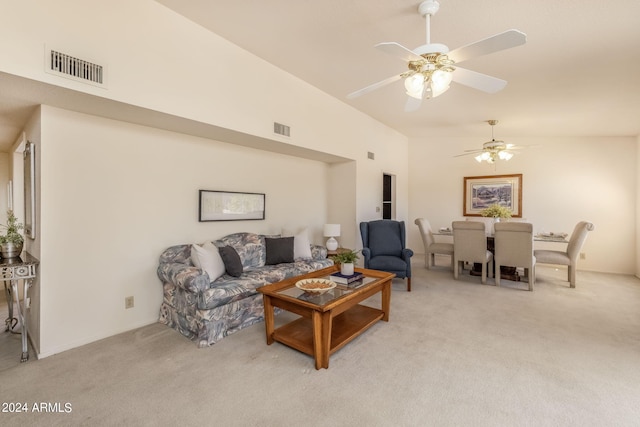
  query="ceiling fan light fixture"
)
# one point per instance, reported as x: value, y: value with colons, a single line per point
x: 414, y: 85
x: 484, y: 156
x: 440, y: 81
x: 494, y: 150
x: 504, y: 155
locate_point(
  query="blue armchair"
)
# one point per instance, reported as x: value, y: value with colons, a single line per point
x: 383, y: 248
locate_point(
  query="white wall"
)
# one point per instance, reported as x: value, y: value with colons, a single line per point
x: 114, y: 195
x: 637, y: 234
x: 565, y: 180
x: 159, y: 60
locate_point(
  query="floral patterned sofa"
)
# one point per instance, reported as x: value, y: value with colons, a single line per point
x: 206, y: 311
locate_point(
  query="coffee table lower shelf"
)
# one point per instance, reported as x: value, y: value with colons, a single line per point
x: 344, y: 328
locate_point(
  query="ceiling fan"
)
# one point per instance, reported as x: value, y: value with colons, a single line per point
x: 492, y: 150
x: 432, y: 67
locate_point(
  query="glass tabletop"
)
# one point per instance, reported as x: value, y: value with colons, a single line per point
x: 321, y: 299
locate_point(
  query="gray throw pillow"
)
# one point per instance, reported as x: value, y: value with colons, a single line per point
x: 232, y: 262
x: 279, y: 250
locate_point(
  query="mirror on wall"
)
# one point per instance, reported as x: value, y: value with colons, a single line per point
x: 29, y: 190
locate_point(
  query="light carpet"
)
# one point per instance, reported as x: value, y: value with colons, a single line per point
x: 455, y: 353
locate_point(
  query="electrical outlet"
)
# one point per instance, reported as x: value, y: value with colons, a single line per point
x: 128, y: 302
x: 583, y: 255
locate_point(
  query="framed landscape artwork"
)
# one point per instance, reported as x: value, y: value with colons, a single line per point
x: 483, y: 191
x: 230, y: 206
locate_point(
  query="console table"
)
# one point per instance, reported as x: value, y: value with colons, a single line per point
x: 13, y: 270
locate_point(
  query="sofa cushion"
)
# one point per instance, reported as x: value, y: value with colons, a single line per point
x: 301, y: 244
x: 279, y: 250
x: 232, y: 262
x: 249, y: 246
x: 207, y: 257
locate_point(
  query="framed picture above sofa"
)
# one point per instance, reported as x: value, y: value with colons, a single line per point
x: 230, y: 206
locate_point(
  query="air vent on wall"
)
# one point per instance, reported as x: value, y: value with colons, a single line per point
x: 69, y: 66
x: 281, y: 129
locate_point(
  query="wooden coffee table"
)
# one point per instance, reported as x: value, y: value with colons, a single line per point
x: 328, y: 321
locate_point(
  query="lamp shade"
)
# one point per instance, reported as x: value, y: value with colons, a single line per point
x: 331, y: 230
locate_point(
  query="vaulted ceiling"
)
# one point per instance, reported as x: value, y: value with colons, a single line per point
x: 577, y: 75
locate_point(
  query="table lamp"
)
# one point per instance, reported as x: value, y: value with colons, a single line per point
x: 331, y: 231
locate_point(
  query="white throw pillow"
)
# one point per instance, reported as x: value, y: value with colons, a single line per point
x: 301, y: 244
x: 207, y: 257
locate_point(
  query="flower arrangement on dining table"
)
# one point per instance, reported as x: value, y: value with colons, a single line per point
x: 496, y: 211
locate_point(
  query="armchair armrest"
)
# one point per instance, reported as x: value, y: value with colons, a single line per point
x: 187, y: 277
x: 366, y: 254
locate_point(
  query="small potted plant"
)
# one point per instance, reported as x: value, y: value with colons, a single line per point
x: 11, y: 241
x: 346, y: 259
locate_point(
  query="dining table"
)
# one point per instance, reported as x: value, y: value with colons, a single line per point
x: 506, y: 272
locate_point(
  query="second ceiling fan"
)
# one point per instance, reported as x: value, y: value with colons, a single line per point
x: 432, y: 67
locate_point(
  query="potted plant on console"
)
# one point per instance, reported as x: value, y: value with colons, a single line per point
x: 11, y: 241
x: 346, y: 259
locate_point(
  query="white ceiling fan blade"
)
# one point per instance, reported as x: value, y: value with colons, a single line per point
x: 399, y: 51
x: 412, y: 104
x: 468, y: 154
x: 374, y: 86
x: 498, y: 42
x: 478, y: 80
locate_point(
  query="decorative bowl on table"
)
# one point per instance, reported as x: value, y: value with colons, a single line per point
x: 315, y: 286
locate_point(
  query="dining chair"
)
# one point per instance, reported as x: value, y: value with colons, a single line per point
x: 514, y: 248
x: 470, y: 245
x: 431, y: 247
x: 570, y: 256
x: 383, y: 248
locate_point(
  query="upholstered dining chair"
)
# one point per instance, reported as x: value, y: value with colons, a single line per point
x: 513, y: 243
x: 487, y: 221
x: 431, y: 247
x: 470, y: 245
x: 570, y: 256
x: 383, y: 248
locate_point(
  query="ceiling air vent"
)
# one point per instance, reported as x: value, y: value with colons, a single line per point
x: 69, y: 66
x: 281, y: 129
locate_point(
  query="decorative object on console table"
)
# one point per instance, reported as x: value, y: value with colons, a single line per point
x: 346, y: 279
x: 346, y: 259
x: 11, y: 242
x: 481, y: 192
x: 331, y: 231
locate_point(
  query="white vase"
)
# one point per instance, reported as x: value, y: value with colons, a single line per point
x: 493, y: 225
x: 346, y: 268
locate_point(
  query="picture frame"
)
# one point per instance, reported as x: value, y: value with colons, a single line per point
x: 230, y: 206
x: 482, y: 191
